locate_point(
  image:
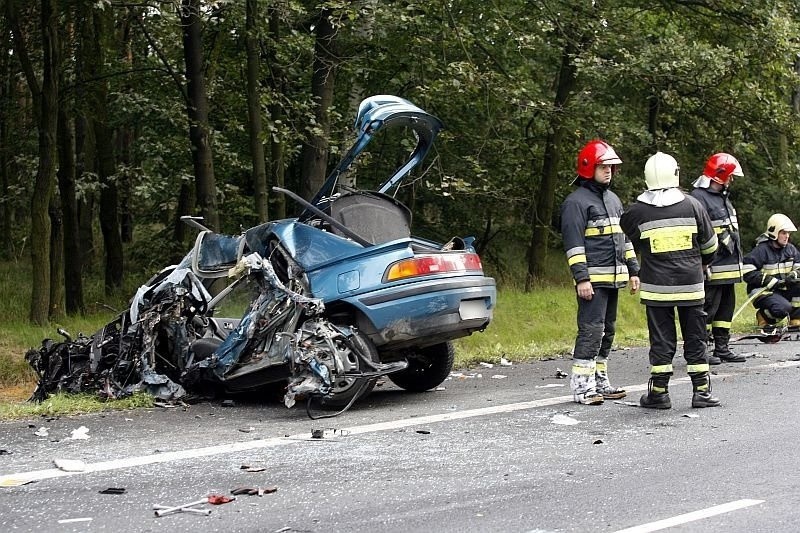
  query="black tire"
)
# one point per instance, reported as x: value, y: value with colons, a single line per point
x: 427, y: 368
x: 345, y: 388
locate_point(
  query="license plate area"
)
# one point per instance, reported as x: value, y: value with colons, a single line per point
x: 472, y: 309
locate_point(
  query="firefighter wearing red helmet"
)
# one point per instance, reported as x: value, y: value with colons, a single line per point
x: 711, y: 189
x: 601, y: 260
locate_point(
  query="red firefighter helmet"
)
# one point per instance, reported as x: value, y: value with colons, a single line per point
x: 595, y: 153
x: 720, y: 167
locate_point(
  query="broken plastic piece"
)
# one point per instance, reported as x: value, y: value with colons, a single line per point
x: 70, y: 465
x: 505, y: 362
x: 423, y: 432
x: 564, y: 420
x: 219, y: 499
x: 560, y: 374
x: 113, y: 490
x: 42, y: 432
x: 228, y: 403
x: 487, y: 365
x: 81, y: 433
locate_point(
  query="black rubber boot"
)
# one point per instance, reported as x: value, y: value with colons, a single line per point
x: 721, y: 349
x: 657, y: 396
x: 701, y: 396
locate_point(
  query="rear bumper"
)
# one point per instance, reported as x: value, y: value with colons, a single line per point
x: 426, y: 312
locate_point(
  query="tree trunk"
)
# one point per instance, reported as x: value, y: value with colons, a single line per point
x: 97, y: 25
x: 73, y: 261
x: 125, y: 139
x: 315, y: 150
x: 197, y: 111
x: 186, y: 203
x: 254, y: 114
x: 543, y: 213
x: 45, y: 98
x: 56, y: 261
x: 277, y: 166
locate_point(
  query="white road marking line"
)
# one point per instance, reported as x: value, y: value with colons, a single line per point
x: 691, y: 517
x: 20, y: 478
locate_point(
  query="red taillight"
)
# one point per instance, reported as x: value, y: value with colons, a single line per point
x: 422, y: 265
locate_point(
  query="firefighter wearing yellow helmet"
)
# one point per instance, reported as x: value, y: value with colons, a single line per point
x: 771, y: 271
x: 675, y: 238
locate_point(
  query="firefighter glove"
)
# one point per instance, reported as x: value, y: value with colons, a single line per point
x: 773, y: 282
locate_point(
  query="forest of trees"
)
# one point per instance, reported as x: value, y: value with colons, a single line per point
x: 117, y: 117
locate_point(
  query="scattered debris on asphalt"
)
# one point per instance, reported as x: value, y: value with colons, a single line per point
x: 113, y: 490
x: 248, y: 468
x: 42, y: 432
x: 213, y: 499
x: 691, y: 415
x: 423, y: 432
x: 550, y: 386
x: 254, y: 491
x: 247, y: 430
x: 82, y: 433
x: 440, y: 388
x: 205, y: 512
x: 505, y: 362
x: 74, y: 520
x: 461, y: 375
x: 598, y: 441
x: 317, y: 433
x: 70, y: 465
x: 499, y: 376
x: 560, y: 374
x: 627, y: 402
x: 5, y: 452
x: 486, y: 365
x: 564, y: 420
x: 228, y: 403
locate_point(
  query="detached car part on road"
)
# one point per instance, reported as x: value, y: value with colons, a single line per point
x: 339, y: 296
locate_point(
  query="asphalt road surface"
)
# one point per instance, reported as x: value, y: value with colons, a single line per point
x: 487, y: 453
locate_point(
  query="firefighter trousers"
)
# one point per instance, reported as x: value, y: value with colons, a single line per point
x: 720, y: 305
x: 664, y: 336
x: 597, y: 324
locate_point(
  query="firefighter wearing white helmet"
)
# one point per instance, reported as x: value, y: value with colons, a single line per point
x: 771, y: 271
x: 675, y: 238
x: 711, y: 189
x: 602, y: 261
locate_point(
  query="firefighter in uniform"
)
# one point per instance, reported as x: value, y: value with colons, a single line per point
x: 711, y: 189
x: 771, y: 270
x: 676, y: 240
x: 601, y: 260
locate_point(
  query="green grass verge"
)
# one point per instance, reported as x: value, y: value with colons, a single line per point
x: 71, y: 404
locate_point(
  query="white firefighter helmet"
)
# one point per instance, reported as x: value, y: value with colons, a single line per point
x: 661, y: 172
x: 777, y: 223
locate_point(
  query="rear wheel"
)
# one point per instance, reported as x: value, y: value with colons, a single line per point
x: 427, y: 368
x: 344, y: 388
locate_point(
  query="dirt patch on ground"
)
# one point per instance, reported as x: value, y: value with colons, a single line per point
x: 16, y: 393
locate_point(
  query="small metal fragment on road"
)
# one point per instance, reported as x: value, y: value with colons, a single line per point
x: 691, y: 415
x: 499, y: 376
x: 42, y: 432
x: 560, y: 374
x: 228, y: 403
x: 505, y: 362
x: 423, y: 432
x: 248, y: 468
x: 317, y: 433
x: 626, y: 402
x: 112, y: 490
x: 219, y: 499
x: 440, y: 388
x: 205, y: 512
x: 598, y: 441
x: 486, y: 365
x: 549, y: 386
x: 74, y: 520
x: 247, y: 430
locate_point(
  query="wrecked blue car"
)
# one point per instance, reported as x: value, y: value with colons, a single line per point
x: 328, y: 302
